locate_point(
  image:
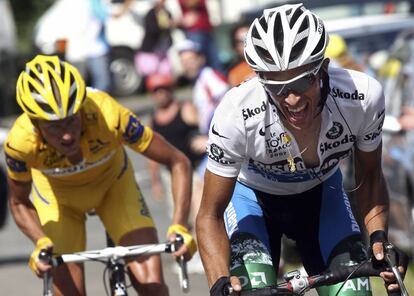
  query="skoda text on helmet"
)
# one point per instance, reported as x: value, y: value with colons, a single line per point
x: 50, y: 89
x: 285, y: 37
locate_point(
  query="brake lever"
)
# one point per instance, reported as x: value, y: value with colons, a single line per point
x: 182, y: 263
x: 185, y: 283
x: 390, y: 257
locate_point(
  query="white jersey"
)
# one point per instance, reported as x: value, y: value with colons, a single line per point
x: 246, y: 134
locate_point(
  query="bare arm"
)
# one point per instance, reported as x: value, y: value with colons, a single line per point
x: 373, y: 201
x: 163, y: 152
x: 23, y: 210
x: 156, y: 185
x: 189, y: 114
x: 211, y: 235
x: 372, y: 193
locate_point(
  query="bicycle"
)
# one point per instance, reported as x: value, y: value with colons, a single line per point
x: 297, y: 284
x: 114, y: 257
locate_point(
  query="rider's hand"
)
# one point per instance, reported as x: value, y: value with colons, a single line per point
x: 189, y: 247
x: 35, y: 264
x: 222, y: 285
x: 377, y: 240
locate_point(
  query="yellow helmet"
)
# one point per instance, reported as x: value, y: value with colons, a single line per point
x: 50, y: 89
x: 336, y: 46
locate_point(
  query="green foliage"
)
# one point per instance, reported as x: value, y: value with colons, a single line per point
x: 26, y: 13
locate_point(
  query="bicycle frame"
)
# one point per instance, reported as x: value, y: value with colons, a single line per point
x: 115, y: 256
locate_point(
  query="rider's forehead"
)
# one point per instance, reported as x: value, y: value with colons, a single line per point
x: 58, y: 123
x: 287, y: 74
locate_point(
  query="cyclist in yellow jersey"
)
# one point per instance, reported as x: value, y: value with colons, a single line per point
x: 66, y: 150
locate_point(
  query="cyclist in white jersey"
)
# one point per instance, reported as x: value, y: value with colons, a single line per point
x: 274, y: 148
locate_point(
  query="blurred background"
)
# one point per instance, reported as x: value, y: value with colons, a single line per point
x: 376, y: 37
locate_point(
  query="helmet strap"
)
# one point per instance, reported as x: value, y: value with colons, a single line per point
x: 324, y: 89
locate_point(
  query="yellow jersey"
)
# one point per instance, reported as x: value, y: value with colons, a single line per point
x: 106, y: 127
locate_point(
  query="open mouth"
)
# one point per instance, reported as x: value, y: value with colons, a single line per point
x: 70, y: 148
x: 297, y: 115
x: 68, y: 144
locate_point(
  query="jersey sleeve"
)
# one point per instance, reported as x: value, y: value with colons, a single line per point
x: 128, y: 128
x: 18, y: 154
x: 370, y: 133
x: 227, y: 140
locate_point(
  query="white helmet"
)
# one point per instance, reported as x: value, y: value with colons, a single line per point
x: 285, y: 37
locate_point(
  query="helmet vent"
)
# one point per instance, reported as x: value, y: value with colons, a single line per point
x: 27, y: 107
x: 298, y: 49
x: 72, y: 93
x: 304, y: 26
x: 255, y: 33
x: 51, y: 65
x: 249, y: 60
x: 278, y: 35
x: 38, y: 68
x: 263, y: 23
x: 264, y: 54
x: 56, y: 92
x: 45, y: 107
x: 62, y: 71
x: 315, y: 20
x: 294, y: 17
x: 321, y: 44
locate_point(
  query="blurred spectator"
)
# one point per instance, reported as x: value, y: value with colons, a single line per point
x: 152, y: 57
x: 86, y: 46
x: 195, y: 22
x: 209, y: 85
x: 406, y: 119
x: 239, y: 71
x: 176, y: 121
x: 337, y: 51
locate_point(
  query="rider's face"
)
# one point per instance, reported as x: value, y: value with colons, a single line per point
x: 64, y: 135
x: 299, y: 100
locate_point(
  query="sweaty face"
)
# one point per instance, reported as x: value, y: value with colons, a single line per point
x: 299, y: 101
x: 64, y: 135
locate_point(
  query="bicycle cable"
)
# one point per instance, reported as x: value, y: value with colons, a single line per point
x: 105, y: 280
x: 350, y: 275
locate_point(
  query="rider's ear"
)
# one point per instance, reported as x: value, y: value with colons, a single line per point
x: 325, y: 65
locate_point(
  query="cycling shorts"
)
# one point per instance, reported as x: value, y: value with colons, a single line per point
x: 319, y: 220
x: 116, y: 199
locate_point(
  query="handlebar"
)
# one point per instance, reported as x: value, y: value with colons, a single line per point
x: 116, y: 254
x: 297, y: 284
